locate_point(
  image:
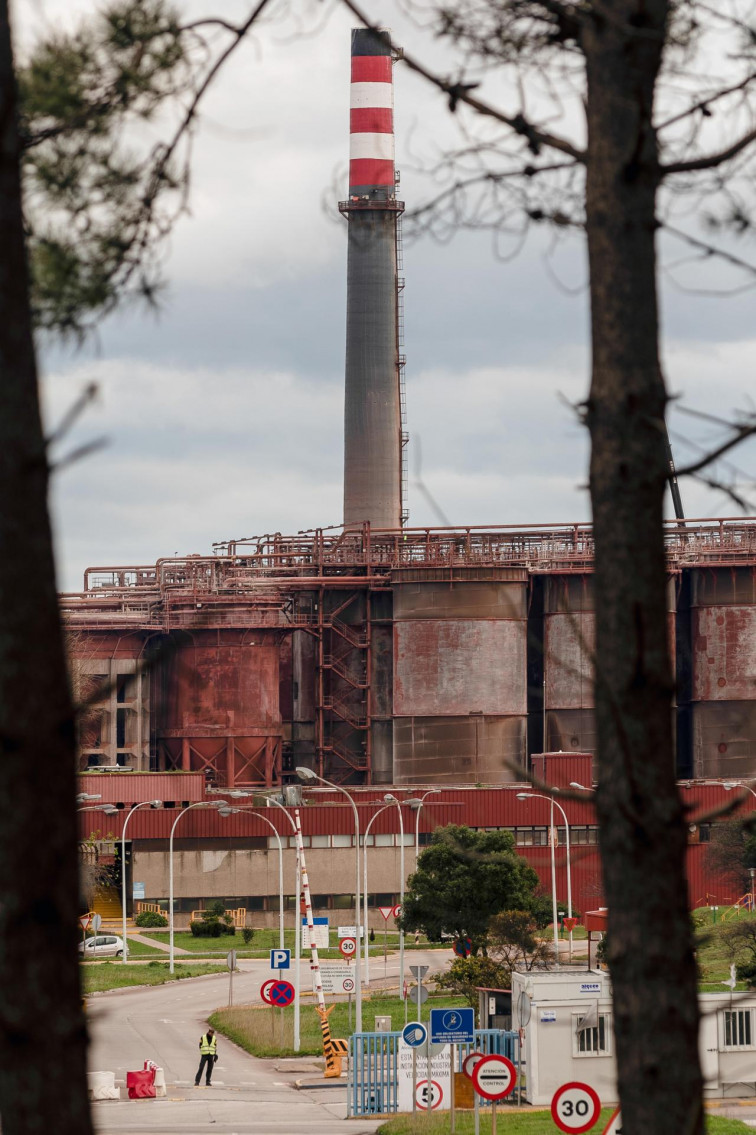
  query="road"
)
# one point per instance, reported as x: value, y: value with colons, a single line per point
x: 249, y: 1096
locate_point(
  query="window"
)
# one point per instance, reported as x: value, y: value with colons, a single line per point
x: 594, y: 1040
x: 321, y: 841
x: 341, y: 840
x: 384, y: 839
x: 737, y: 1028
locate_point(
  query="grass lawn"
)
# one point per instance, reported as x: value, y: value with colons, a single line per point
x: 115, y: 975
x: 259, y: 1030
x: 520, y: 1123
x: 265, y: 940
x: 713, y: 956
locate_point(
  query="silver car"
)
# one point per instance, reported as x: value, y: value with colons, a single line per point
x: 102, y: 946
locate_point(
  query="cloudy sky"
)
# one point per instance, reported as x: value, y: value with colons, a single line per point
x: 223, y: 413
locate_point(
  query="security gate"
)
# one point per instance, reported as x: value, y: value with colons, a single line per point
x: 374, y: 1063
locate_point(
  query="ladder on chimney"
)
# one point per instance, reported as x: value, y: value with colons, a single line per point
x: 401, y: 363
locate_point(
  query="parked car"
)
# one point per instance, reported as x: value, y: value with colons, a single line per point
x: 102, y: 946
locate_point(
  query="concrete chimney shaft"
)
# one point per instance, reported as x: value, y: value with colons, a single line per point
x: 372, y: 404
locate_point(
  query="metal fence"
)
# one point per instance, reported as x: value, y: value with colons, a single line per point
x: 374, y: 1063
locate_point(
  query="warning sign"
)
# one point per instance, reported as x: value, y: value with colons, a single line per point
x: 434, y: 1089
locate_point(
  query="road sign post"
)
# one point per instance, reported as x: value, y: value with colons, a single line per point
x: 348, y: 947
x: 414, y: 1035
x: 468, y: 1064
x: 231, y: 963
x: 575, y: 1107
x: 419, y: 972
x: 494, y: 1078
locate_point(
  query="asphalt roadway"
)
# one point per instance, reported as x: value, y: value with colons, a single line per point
x: 248, y: 1096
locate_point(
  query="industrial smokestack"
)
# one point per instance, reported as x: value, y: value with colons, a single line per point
x: 373, y: 397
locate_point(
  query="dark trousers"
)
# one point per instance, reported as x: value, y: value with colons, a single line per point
x: 209, y: 1059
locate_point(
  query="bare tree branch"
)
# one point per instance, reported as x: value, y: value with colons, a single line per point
x: 459, y: 92
x: 710, y: 161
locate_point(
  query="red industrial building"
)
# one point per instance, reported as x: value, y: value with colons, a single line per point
x: 328, y: 829
x: 382, y: 654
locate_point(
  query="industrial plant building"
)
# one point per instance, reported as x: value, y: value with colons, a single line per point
x: 381, y: 654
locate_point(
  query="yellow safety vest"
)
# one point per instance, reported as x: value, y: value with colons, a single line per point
x: 208, y: 1046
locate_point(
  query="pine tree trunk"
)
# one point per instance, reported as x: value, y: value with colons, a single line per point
x: 42, y: 1030
x: 642, y: 832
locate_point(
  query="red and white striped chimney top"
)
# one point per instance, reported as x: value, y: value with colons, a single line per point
x: 371, y: 127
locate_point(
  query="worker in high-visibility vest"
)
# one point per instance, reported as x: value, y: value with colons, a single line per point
x: 208, y: 1047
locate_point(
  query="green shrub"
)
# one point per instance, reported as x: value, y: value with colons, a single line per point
x: 747, y: 973
x: 150, y: 918
x: 247, y: 934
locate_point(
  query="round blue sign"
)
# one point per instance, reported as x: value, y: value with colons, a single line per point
x: 451, y: 1021
x: 414, y: 1034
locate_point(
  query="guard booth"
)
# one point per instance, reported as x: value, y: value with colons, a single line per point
x: 380, y: 1065
x: 494, y: 1008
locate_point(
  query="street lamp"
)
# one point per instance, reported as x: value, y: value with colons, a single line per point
x: 582, y: 787
x: 108, y: 809
x: 226, y: 810
x: 365, y: 887
x: 199, y: 804
x: 391, y: 799
x: 136, y: 807
x: 297, y: 924
x: 553, y: 802
x: 416, y: 804
x: 83, y: 797
x: 728, y: 786
x: 307, y: 776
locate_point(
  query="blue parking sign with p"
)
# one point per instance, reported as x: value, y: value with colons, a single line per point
x: 280, y: 959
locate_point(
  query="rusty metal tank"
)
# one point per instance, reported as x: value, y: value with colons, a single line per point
x: 217, y: 693
x: 569, y: 638
x: 460, y: 685
x: 723, y: 671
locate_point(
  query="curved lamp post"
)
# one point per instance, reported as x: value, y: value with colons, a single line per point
x: 227, y: 810
x: 553, y: 803
x: 199, y: 804
x: 144, y: 804
x: 391, y: 799
x: 307, y: 776
x: 416, y: 804
x: 365, y: 888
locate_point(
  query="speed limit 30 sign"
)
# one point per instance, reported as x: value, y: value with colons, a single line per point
x: 348, y: 947
x: 575, y: 1107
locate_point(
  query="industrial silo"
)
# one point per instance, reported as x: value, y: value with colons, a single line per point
x: 460, y: 689
x: 723, y: 671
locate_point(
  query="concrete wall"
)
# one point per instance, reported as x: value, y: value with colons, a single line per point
x: 204, y: 874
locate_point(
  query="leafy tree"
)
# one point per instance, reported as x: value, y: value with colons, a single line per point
x: 465, y: 976
x: 464, y: 877
x: 99, y: 202
x: 732, y: 851
x: 513, y: 942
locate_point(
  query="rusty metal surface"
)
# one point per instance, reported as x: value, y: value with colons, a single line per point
x: 457, y: 750
x: 724, y: 653
x: 724, y: 739
x: 569, y: 647
x: 459, y: 666
x: 470, y: 599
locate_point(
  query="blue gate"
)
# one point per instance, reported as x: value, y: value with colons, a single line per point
x: 374, y: 1060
